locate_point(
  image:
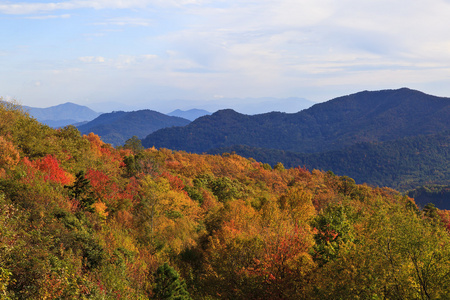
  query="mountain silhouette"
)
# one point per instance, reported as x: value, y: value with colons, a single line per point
x: 117, y: 127
x: 367, y: 116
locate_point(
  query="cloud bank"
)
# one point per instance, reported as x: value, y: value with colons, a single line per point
x: 156, y: 51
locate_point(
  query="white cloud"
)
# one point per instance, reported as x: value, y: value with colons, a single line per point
x: 46, y: 17
x: 92, y: 59
x: 249, y: 48
x: 30, y: 8
x: 133, y: 61
x: 126, y: 21
x: 41, y: 7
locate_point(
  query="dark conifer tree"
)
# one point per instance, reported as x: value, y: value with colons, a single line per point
x: 81, y: 190
x: 169, y: 285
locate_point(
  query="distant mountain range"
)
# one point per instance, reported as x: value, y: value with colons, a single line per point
x: 191, y: 114
x: 333, y: 125
x: 249, y: 106
x: 73, y: 114
x: 117, y: 127
x: 62, y: 114
x: 252, y: 106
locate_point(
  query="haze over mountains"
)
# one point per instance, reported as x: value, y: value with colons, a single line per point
x: 250, y: 106
x: 253, y: 106
x: 71, y: 113
x: 62, y: 114
x: 118, y: 126
x: 190, y: 114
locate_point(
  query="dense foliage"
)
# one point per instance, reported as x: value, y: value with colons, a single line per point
x: 402, y: 164
x: 333, y: 125
x: 82, y: 220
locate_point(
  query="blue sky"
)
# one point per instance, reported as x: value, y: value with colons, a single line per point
x: 168, y: 54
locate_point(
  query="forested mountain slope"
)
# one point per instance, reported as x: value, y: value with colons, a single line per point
x: 402, y: 164
x: 80, y: 219
x: 117, y: 127
x: 336, y: 124
x: 439, y: 195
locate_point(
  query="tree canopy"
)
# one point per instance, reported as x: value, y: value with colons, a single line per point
x: 80, y: 219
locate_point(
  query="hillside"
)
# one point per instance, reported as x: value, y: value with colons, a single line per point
x: 333, y: 125
x: 401, y: 164
x: 439, y: 195
x: 117, y: 127
x: 62, y: 114
x: 80, y: 219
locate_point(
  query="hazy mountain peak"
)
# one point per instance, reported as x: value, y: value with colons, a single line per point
x: 190, y: 114
x: 62, y: 114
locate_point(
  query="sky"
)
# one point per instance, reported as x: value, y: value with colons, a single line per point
x: 169, y: 54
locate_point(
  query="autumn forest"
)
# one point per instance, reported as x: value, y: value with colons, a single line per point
x: 80, y: 219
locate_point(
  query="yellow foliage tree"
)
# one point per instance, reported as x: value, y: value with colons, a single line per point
x: 9, y: 156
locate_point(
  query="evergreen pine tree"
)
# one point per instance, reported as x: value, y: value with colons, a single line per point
x: 81, y: 190
x: 169, y: 285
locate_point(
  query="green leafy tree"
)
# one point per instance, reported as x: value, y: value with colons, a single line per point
x: 430, y: 212
x: 134, y: 144
x: 279, y: 167
x: 169, y: 285
x: 334, y: 228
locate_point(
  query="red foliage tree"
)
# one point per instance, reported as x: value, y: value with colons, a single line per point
x: 49, y: 165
